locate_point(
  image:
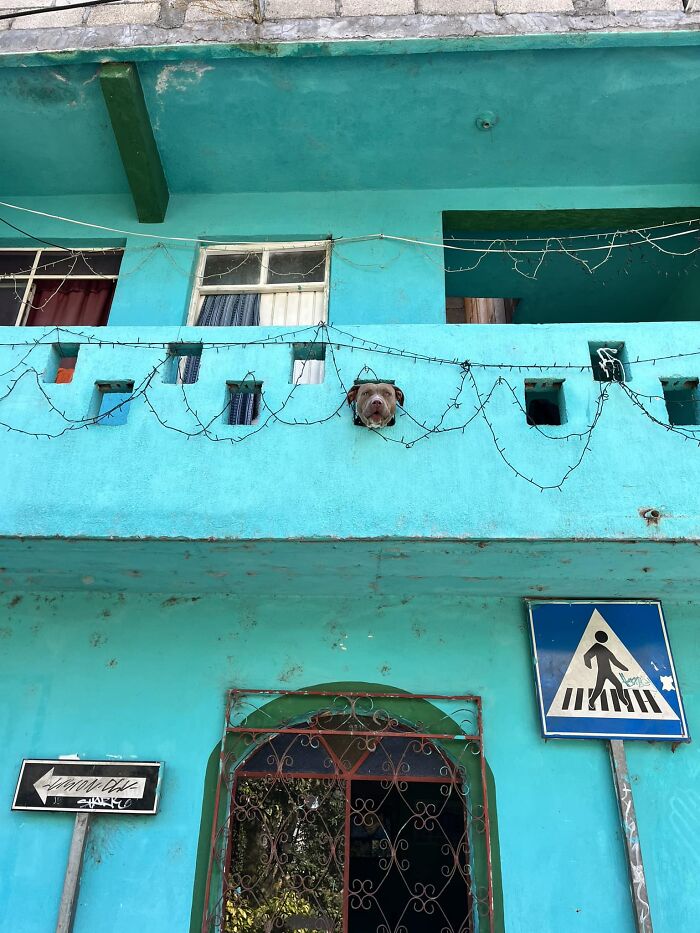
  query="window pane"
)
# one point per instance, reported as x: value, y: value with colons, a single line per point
x: 232, y: 269
x: 16, y: 263
x: 114, y: 408
x: 290, y: 753
x: 297, y: 266
x: 53, y: 262
x: 10, y: 301
x: 287, y: 855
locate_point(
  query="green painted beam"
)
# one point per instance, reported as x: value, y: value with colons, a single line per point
x: 123, y: 94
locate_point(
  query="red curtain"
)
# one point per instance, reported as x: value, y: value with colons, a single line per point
x: 69, y: 303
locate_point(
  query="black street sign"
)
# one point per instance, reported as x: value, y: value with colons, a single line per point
x: 74, y: 786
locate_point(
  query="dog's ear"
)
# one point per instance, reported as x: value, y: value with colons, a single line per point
x: 352, y: 394
x: 399, y: 395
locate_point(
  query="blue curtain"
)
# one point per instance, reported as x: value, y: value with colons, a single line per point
x: 228, y: 311
x: 243, y: 407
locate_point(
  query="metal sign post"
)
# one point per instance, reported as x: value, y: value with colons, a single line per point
x: 604, y: 670
x: 633, y: 848
x: 60, y: 785
x: 71, y: 884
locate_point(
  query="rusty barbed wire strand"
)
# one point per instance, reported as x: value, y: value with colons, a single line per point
x: 323, y: 335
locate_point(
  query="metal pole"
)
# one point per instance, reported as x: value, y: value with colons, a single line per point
x: 71, y: 884
x: 633, y: 848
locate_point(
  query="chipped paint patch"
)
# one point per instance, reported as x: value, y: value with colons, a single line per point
x: 181, y: 76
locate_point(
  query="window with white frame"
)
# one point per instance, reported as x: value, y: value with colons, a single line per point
x: 57, y: 287
x: 291, y: 280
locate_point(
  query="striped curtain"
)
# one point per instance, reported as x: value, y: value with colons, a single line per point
x: 228, y: 311
x: 243, y: 408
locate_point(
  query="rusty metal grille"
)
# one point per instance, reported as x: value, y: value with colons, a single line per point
x: 350, y: 813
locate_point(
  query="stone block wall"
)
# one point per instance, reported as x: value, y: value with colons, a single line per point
x: 128, y: 23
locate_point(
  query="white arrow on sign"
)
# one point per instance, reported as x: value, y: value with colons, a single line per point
x: 74, y: 785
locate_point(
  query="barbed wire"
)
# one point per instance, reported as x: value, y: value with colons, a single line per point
x: 335, y: 339
x: 517, y: 249
x: 325, y: 336
x: 65, y: 334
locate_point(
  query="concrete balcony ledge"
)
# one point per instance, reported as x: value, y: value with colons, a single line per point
x: 186, y: 570
x: 443, y: 471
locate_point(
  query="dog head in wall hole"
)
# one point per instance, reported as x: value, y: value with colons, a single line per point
x: 375, y: 403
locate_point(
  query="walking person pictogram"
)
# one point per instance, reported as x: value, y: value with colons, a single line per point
x: 605, y: 660
x: 624, y: 694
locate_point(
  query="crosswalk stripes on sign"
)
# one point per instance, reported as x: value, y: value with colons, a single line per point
x: 609, y: 701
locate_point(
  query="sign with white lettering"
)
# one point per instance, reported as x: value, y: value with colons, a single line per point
x: 71, y: 785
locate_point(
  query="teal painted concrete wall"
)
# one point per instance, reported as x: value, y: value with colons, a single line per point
x: 320, y: 118
x: 104, y: 675
x: 372, y: 283
x: 146, y: 479
x: 138, y: 677
x: 143, y: 479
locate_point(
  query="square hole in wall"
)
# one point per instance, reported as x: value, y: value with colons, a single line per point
x: 544, y: 401
x: 111, y: 401
x: 308, y: 363
x: 682, y: 397
x: 63, y: 358
x: 243, y: 402
x: 182, y: 364
x: 609, y: 361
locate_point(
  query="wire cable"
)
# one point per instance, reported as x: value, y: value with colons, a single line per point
x: 56, y: 9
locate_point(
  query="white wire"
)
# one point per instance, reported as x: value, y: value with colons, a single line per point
x: 578, y: 249
x: 574, y: 236
x: 133, y: 233
x: 652, y: 241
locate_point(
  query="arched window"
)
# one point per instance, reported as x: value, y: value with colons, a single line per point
x: 354, y: 816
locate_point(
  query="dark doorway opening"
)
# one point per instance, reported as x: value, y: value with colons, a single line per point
x: 407, y: 859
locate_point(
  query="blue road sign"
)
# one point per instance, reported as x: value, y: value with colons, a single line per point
x: 604, y: 670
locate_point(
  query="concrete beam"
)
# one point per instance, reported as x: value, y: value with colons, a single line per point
x: 355, y: 35
x: 123, y: 94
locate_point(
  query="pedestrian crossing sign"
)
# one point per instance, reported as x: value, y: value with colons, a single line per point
x: 604, y: 670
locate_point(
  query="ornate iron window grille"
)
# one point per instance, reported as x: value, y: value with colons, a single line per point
x: 350, y: 812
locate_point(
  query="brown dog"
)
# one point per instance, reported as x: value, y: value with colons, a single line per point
x: 375, y: 403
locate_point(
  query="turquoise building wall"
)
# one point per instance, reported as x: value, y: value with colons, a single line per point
x: 139, y: 675
x: 444, y: 538
x: 128, y: 676
x: 387, y: 292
